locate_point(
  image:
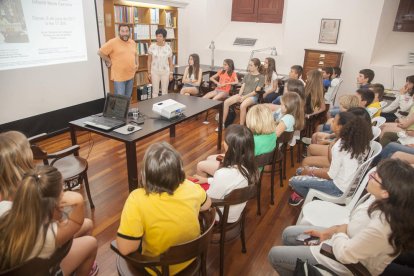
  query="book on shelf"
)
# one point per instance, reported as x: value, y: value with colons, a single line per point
x: 172, y: 45
x: 170, y: 33
x: 141, y: 31
x: 142, y: 48
x: 141, y: 78
x: 155, y: 15
x: 153, y: 29
x: 124, y: 14
x: 169, y: 20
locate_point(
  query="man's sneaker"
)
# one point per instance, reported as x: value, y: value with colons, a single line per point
x: 306, y: 140
x: 295, y: 199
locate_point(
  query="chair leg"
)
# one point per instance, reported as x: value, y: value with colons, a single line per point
x: 242, y: 236
x: 281, y: 174
x: 284, y: 163
x: 222, y: 241
x: 259, y: 188
x: 272, y: 185
x: 291, y: 157
x: 206, y: 116
x: 88, y: 192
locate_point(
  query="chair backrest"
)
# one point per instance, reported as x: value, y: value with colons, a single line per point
x: 335, y: 92
x: 362, y: 169
x: 359, y: 190
x: 40, y: 267
x: 376, y: 132
x: 237, y: 196
x: 177, y: 253
x: 378, y: 121
x: 38, y: 152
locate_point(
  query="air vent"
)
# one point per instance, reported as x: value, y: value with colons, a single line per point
x: 411, y: 57
x: 244, y: 41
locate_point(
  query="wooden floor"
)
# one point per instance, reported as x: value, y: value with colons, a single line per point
x: 195, y: 141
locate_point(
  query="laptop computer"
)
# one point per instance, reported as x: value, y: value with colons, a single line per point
x: 114, y: 114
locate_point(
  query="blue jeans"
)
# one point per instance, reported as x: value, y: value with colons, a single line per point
x: 390, y: 149
x: 333, y: 111
x: 303, y: 183
x: 124, y: 87
x: 277, y: 100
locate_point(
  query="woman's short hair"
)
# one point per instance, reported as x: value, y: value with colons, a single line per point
x: 163, y: 169
x: 260, y: 120
x: 162, y: 32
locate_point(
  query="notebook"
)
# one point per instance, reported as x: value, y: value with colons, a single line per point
x: 114, y: 114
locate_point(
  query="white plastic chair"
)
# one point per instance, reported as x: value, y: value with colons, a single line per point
x: 326, y: 214
x: 383, y: 104
x: 376, y: 132
x: 351, y: 189
x: 378, y: 121
x: 372, y: 111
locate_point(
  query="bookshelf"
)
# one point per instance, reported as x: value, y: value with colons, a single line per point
x: 144, y: 20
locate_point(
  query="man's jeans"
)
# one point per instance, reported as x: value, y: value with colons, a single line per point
x: 124, y: 87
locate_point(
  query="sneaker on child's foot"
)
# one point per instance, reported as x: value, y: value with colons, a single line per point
x: 306, y: 140
x: 295, y: 199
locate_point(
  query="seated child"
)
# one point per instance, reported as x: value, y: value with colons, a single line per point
x: 164, y: 212
x: 192, y: 76
x: 237, y: 170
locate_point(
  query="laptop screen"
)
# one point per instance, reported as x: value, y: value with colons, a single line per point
x: 116, y: 106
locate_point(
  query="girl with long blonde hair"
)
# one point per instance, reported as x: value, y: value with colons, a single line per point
x: 36, y: 224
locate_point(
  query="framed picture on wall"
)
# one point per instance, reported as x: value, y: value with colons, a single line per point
x: 329, y: 31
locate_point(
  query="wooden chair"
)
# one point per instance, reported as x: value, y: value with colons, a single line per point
x: 39, y: 266
x: 284, y: 140
x: 135, y: 263
x: 271, y: 159
x: 234, y: 229
x: 356, y: 269
x: 73, y: 167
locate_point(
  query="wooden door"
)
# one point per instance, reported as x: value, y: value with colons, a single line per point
x: 270, y: 11
x: 244, y: 10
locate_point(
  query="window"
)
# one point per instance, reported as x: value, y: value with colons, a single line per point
x: 264, y: 11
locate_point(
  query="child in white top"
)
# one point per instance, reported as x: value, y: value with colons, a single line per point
x: 348, y: 153
x: 237, y: 170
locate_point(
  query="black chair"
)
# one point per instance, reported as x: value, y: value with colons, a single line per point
x: 356, y: 269
x: 72, y: 167
x: 135, y: 263
x: 233, y: 229
x: 269, y: 159
x: 39, y: 266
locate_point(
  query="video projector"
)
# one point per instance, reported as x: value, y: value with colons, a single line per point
x: 168, y: 108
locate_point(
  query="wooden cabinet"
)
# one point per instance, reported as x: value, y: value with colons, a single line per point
x: 266, y: 11
x: 143, y: 20
x: 317, y: 59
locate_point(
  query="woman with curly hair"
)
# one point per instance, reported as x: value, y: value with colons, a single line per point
x: 348, y: 152
x: 379, y: 227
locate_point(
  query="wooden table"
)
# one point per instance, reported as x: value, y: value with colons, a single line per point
x: 152, y: 125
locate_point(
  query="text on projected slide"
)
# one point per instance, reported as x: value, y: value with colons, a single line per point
x: 41, y: 32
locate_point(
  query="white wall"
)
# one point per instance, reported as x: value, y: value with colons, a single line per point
x: 361, y: 36
x: 391, y: 48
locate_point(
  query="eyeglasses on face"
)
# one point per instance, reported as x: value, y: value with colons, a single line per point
x: 373, y: 175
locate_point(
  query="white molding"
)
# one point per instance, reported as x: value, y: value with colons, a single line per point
x: 172, y: 3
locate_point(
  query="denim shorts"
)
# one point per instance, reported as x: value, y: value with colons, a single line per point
x: 189, y: 85
x: 255, y: 99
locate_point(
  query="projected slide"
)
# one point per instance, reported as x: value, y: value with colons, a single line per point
x: 41, y: 32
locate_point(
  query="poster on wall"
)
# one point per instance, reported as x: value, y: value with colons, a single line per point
x: 329, y: 31
x: 41, y: 32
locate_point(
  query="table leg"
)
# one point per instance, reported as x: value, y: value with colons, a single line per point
x: 220, y: 127
x: 172, y: 131
x: 73, y: 138
x: 132, y: 166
